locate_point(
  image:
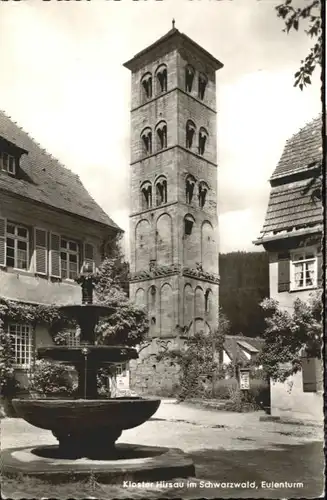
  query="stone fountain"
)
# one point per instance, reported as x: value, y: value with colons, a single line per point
x: 88, y: 425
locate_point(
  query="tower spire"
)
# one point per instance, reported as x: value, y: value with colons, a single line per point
x: 173, y: 23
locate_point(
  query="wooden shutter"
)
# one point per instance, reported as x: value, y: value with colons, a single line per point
x: 2, y: 241
x: 309, y: 374
x: 89, y: 254
x: 55, y: 268
x: 319, y: 271
x: 41, y: 251
x: 283, y: 272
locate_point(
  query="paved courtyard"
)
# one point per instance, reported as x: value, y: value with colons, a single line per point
x: 226, y: 448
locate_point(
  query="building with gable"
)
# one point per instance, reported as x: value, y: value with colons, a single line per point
x: 292, y: 236
x: 173, y: 220
x: 49, y: 226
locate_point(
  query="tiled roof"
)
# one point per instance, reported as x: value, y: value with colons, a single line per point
x: 289, y: 208
x: 174, y: 32
x: 43, y: 179
x: 292, y: 205
x: 302, y: 150
x: 234, y: 345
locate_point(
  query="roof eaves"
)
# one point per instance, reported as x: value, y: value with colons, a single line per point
x: 290, y: 234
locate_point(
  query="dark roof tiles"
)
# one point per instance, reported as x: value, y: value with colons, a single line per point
x: 302, y: 149
x: 43, y: 179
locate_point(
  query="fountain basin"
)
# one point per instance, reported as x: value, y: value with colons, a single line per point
x: 100, y: 354
x: 78, y: 311
x: 86, y: 414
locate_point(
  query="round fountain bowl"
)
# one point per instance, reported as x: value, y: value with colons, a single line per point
x: 99, y: 354
x: 80, y: 310
x: 83, y: 415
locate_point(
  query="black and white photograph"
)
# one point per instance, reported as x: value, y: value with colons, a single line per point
x: 162, y: 251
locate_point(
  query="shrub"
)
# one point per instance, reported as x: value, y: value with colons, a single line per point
x: 52, y: 379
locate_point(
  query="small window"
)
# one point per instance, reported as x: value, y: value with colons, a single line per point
x: 69, y: 259
x: 73, y: 337
x: 7, y: 163
x: 161, y: 191
x: 17, y: 246
x: 146, y: 191
x: 188, y: 225
x: 161, y: 132
x: 203, y: 137
x: 146, y: 137
x: 206, y: 301
x: 189, y: 77
x: 21, y: 338
x: 121, y: 370
x: 190, y: 131
x: 304, y: 270
x: 146, y: 83
x: 161, y: 75
x: 203, y: 190
x: 189, y: 185
x: 202, y: 85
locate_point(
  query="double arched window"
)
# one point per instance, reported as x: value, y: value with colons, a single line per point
x: 161, y: 190
x: 146, y: 83
x: 203, y: 188
x: 146, y: 137
x: 161, y: 79
x: 202, y: 137
x: 161, y: 135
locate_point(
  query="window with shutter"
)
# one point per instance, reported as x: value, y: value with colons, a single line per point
x: 89, y: 255
x: 283, y: 272
x: 41, y: 251
x: 2, y: 241
x: 55, y: 269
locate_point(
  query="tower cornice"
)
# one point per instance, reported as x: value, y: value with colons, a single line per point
x: 172, y: 147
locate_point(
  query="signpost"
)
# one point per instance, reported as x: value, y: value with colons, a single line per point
x: 244, y: 378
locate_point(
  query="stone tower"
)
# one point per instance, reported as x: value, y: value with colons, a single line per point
x: 173, y: 219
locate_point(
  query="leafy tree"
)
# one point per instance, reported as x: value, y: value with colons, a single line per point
x: 311, y: 15
x: 287, y: 334
x: 127, y: 324
x: 8, y: 383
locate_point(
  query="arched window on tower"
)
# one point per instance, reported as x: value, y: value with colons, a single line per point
x: 189, y: 186
x: 189, y: 77
x: 190, y: 131
x: 203, y: 190
x: 207, y: 301
x: 146, y: 193
x: 146, y: 83
x: 203, y: 137
x: 188, y: 224
x: 161, y: 77
x: 202, y: 85
x: 146, y: 137
x: 161, y: 191
x: 161, y: 133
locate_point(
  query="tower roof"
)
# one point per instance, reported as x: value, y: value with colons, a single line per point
x: 173, y: 37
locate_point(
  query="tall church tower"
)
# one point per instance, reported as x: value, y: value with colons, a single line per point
x: 173, y: 219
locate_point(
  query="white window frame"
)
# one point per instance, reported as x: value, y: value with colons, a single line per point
x: 21, y: 352
x: 68, y: 253
x: 11, y: 162
x: 17, y: 238
x: 121, y: 369
x: 73, y: 338
x: 294, y: 263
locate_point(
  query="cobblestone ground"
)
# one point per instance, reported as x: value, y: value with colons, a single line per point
x: 225, y: 447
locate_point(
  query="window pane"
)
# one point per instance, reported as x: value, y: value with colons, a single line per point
x: 10, y: 262
x: 64, y: 243
x: 298, y: 275
x: 22, y: 245
x: 10, y: 229
x: 73, y: 258
x: 22, y: 232
x: 63, y: 256
x: 72, y: 246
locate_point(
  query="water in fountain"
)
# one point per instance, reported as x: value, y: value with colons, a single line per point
x: 88, y: 425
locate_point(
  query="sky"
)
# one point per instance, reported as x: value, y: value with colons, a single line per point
x: 63, y: 81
